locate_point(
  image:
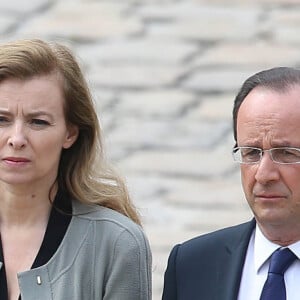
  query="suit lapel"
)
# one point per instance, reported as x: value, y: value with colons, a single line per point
x: 231, y: 268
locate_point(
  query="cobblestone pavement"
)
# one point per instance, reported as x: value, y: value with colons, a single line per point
x: 164, y: 74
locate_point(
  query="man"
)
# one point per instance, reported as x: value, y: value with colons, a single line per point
x: 233, y: 263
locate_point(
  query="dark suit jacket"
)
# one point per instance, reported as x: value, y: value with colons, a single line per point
x: 208, y: 267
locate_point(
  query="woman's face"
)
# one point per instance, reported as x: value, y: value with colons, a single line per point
x: 33, y: 130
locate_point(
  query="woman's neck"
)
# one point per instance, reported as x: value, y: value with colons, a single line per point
x: 24, y: 207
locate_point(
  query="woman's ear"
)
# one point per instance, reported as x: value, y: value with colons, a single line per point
x: 71, y: 137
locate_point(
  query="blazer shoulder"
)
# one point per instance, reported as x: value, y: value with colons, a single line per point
x: 109, y: 221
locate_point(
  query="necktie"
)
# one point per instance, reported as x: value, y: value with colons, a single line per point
x: 274, y: 288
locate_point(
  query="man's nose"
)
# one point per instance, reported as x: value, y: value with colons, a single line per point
x: 267, y: 169
x: 17, y: 138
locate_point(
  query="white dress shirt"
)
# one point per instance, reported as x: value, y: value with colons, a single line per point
x: 256, y: 267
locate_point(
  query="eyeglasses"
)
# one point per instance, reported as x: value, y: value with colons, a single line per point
x: 252, y: 155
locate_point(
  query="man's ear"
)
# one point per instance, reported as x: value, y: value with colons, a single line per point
x: 71, y: 136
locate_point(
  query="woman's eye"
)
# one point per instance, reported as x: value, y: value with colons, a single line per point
x: 39, y: 122
x: 3, y: 120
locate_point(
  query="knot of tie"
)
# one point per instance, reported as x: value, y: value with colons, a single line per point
x: 281, y: 259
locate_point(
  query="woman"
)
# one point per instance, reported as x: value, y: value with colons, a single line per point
x: 68, y: 229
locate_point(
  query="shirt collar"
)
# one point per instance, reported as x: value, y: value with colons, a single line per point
x: 264, y: 248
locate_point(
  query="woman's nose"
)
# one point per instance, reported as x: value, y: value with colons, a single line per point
x: 17, y: 138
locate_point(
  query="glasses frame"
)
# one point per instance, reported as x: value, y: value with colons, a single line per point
x: 262, y: 151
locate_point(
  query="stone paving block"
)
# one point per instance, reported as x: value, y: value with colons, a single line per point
x: 207, y: 30
x: 189, y: 9
x: 213, y: 220
x: 285, y: 24
x: 203, y: 22
x: 83, y: 21
x: 140, y: 133
x: 288, y: 35
x: 138, y: 50
x: 217, y: 79
x: 216, y: 194
x: 213, y: 108
x: 261, y: 3
x: 21, y: 8
x: 159, y: 236
x: 159, y: 266
x: 103, y: 99
x: 285, y: 17
x: 178, y: 163
x: 197, y: 134
x: 261, y: 55
x: 6, y: 22
x: 155, y: 103
x: 168, y: 134
x: 162, y: 200
x: 131, y: 76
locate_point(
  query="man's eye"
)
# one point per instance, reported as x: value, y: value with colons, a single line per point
x: 251, y: 152
x: 290, y: 152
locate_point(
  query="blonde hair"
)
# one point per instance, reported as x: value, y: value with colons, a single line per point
x: 82, y: 172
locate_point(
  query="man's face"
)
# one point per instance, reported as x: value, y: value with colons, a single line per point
x: 269, y: 119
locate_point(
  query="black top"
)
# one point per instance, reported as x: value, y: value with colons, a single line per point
x: 59, y: 220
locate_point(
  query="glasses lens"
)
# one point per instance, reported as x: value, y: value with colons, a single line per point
x: 247, y: 155
x: 286, y: 155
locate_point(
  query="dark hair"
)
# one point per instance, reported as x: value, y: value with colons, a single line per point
x: 278, y: 79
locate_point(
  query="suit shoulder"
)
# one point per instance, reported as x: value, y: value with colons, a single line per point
x: 221, y: 236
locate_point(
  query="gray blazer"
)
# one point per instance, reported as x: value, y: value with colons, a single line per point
x: 103, y: 255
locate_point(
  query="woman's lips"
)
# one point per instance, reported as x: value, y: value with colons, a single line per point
x: 16, y: 160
